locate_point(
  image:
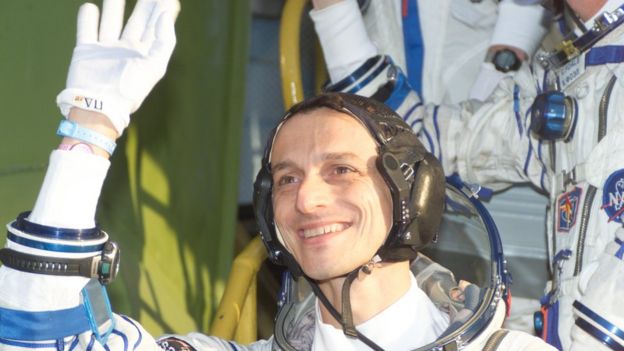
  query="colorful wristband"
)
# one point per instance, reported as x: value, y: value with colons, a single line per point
x: 73, y: 130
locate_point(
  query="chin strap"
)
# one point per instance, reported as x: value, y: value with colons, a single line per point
x: 346, y: 318
x: 347, y: 315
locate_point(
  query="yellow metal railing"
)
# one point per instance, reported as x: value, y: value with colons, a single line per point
x: 290, y: 61
x: 236, y: 315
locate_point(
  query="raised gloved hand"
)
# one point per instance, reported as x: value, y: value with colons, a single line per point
x: 111, y: 70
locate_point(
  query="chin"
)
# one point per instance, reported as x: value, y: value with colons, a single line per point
x: 326, y: 273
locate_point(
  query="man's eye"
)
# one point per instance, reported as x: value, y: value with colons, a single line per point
x: 286, y: 180
x: 343, y: 170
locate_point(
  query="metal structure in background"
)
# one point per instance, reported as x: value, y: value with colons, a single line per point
x: 236, y: 317
x: 290, y: 61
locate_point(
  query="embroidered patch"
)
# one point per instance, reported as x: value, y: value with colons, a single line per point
x: 613, y: 196
x: 567, y: 208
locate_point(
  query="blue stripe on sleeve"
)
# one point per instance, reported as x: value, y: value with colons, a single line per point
x: 516, y: 108
x: 437, y: 129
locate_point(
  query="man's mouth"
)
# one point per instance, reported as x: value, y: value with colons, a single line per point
x: 326, y: 229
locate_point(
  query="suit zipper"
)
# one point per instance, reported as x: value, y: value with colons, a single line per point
x: 603, y: 111
x: 495, y: 340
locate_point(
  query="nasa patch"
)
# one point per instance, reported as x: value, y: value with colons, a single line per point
x: 567, y: 208
x: 613, y: 196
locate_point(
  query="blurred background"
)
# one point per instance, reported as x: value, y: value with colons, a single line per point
x: 178, y: 195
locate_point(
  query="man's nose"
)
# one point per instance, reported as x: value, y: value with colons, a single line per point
x: 312, y: 195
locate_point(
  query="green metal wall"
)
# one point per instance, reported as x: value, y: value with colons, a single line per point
x: 170, y: 197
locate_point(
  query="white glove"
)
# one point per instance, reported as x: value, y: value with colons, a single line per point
x: 113, y: 71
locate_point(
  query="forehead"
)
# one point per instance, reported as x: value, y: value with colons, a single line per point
x: 326, y: 130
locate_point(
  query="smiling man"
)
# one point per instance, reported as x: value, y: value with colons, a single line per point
x: 334, y: 212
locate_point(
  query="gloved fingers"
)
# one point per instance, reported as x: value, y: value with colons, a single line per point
x: 163, y: 6
x: 112, y: 20
x: 133, y: 32
x: 87, y: 24
x: 171, y: 6
x: 165, y: 37
x: 148, y: 34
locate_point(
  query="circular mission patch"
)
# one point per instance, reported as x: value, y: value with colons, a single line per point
x: 613, y: 196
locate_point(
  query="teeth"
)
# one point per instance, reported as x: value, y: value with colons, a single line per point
x: 330, y: 228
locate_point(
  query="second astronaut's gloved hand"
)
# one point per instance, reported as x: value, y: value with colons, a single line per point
x: 112, y: 71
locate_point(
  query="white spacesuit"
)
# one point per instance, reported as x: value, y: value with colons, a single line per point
x: 557, y: 125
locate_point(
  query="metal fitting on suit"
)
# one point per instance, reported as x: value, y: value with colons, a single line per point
x: 553, y: 116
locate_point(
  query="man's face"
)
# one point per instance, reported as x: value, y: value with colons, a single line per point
x: 331, y: 205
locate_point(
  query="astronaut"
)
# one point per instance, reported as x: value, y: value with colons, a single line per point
x: 555, y: 124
